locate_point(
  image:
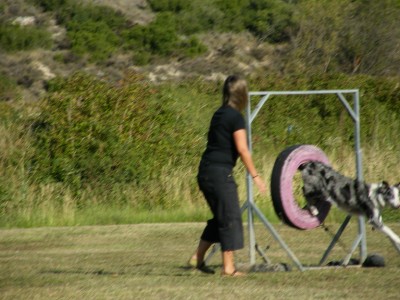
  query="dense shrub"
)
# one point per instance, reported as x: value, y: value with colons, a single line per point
x: 51, y: 5
x: 160, y: 38
x: 95, y: 39
x: 92, y: 30
x: 268, y: 20
x: 8, y: 88
x: 99, y: 31
x: 93, y: 133
x: 19, y: 38
x: 81, y: 13
x: 169, y: 5
x: 354, y: 37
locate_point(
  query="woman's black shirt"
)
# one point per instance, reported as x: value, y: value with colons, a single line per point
x: 221, y: 148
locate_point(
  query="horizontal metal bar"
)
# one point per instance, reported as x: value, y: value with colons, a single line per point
x: 302, y: 92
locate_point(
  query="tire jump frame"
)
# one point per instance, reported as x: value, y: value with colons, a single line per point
x: 253, y: 210
x: 300, y: 154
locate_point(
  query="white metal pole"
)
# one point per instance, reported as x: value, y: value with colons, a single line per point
x: 250, y: 221
x: 360, y: 177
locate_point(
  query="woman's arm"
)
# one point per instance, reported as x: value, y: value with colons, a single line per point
x: 240, y: 139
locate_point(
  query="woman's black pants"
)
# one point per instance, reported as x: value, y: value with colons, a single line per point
x: 220, y: 190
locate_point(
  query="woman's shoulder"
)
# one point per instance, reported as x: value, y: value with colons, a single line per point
x: 230, y: 110
x: 233, y: 116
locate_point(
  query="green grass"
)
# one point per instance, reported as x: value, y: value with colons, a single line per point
x: 148, y: 261
x: 102, y: 215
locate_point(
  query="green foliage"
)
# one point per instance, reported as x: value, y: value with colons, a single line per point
x: 160, y: 35
x: 92, y: 30
x: 137, y: 146
x: 51, y: 5
x: 268, y: 20
x: 381, y: 31
x: 8, y: 88
x: 95, y: 39
x: 169, y: 5
x: 320, y: 36
x: 91, y: 132
x: 20, y: 38
x: 160, y: 38
x: 345, y: 36
x: 81, y: 13
x: 201, y: 16
x: 296, y: 119
x: 93, y: 144
x: 99, y: 31
x: 192, y: 47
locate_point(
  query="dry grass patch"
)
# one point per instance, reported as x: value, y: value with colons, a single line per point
x: 147, y: 261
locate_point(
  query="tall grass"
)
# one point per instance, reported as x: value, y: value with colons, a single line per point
x: 175, y: 197
x: 170, y: 193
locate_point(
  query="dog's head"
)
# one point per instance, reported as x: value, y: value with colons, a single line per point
x: 389, y: 194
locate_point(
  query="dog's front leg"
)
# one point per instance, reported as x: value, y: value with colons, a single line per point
x: 394, y: 238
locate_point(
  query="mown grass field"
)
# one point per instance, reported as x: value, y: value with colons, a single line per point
x: 148, y: 261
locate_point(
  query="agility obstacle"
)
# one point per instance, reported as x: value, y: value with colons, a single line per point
x: 281, y: 179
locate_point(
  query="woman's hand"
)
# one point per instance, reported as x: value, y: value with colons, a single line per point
x: 260, y: 184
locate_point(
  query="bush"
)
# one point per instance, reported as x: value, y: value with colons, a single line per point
x: 8, y: 88
x: 82, y: 13
x: 19, y: 38
x: 92, y: 30
x: 51, y: 5
x: 99, y: 31
x: 192, y: 47
x: 95, y: 39
x: 160, y: 38
x: 268, y: 20
x: 169, y: 5
x: 91, y: 133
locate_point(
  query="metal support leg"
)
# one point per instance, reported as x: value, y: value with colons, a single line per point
x: 363, y: 242
x: 277, y: 237
x: 335, y: 240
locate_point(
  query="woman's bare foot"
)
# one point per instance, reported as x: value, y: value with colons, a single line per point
x: 235, y: 273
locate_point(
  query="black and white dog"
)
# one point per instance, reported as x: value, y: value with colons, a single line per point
x: 322, y: 183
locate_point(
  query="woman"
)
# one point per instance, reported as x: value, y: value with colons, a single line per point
x: 226, y: 142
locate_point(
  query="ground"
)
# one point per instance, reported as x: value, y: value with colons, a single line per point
x: 148, y: 261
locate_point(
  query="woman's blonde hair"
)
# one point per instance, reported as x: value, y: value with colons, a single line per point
x: 235, y: 92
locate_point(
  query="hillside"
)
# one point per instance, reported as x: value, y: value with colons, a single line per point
x: 175, y: 40
x: 31, y: 69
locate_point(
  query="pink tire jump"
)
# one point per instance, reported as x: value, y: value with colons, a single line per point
x: 285, y: 205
